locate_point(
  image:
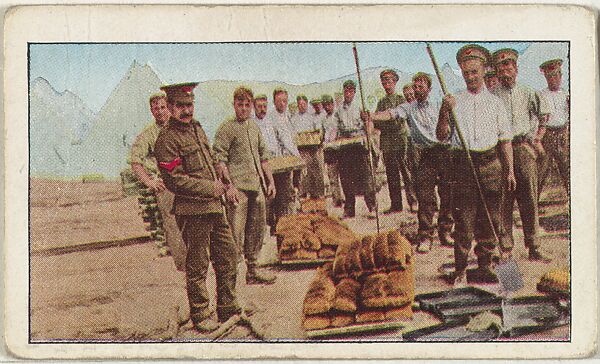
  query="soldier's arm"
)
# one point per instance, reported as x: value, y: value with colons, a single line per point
x: 221, y: 153
x: 170, y: 164
x: 139, y: 150
x: 442, y: 130
x: 542, y: 111
x: 504, y: 148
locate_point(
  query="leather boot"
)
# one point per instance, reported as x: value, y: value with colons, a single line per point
x: 259, y: 276
x: 537, y: 256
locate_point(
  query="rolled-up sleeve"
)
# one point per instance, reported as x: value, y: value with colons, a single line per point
x: 171, y: 169
x: 139, y: 150
x: 222, y: 143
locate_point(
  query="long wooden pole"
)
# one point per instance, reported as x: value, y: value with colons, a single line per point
x: 440, y: 78
x: 370, y: 157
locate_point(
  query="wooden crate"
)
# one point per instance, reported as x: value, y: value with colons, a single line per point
x: 286, y: 164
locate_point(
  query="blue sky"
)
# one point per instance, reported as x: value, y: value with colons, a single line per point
x: 93, y: 70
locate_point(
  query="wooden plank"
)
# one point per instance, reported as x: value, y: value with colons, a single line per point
x: 299, y: 262
x: 356, y: 329
x: 94, y: 245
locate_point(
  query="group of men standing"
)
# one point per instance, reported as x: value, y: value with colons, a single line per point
x: 224, y: 195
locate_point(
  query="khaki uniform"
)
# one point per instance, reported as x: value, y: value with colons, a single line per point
x: 186, y: 164
x: 432, y: 165
x: 524, y: 107
x: 142, y: 152
x: 556, y: 138
x: 312, y: 180
x: 355, y: 172
x: 394, y: 141
x: 240, y: 145
x: 483, y: 121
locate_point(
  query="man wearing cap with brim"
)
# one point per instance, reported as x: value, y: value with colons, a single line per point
x: 483, y: 121
x: 528, y: 113
x: 431, y: 158
x: 243, y: 162
x: 329, y: 126
x: 355, y: 172
x: 394, y: 145
x: 556, y: 137
x: 143, y: 165
x: 187, y: 166
x: 286, y: 183
x: 317, y: 106
x: 312, y: 183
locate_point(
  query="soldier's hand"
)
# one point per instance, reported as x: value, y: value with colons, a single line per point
x: 271, y: 192
x: 233, y: 195
x: 365, y: 115
x: 156, y: 185
x: 511, y: 181
x: 220, y: 188
x: 449, y: 102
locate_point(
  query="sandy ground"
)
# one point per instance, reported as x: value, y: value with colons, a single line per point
x: 129, y: 293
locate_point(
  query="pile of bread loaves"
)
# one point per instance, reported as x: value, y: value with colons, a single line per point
x: 311, y: 236
x: 371, y: 279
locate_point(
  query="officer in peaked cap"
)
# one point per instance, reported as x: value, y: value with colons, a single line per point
x: 186, y: 163
x: 528, y: 113
x: 556, y: 138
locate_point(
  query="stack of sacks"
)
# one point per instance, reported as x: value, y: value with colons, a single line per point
x: 374, y: 280
x: 311, y: 236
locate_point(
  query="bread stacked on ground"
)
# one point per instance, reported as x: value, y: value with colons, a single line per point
x: 314, y: 205
x: 311, y: 236
x: 374, y: 281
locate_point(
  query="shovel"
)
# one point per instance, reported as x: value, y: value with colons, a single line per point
x: 511, y: 280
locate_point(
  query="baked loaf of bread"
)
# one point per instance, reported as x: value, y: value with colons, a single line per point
x: 367, y: 259
x: 342, y: 319
x: 380, y: 250
x: 320, y: 294
x: 399, y: 313
x: 346, y: 295
x: 370, y: 316
x: 399, y: 250
x: 326, y: 252
x: 373, y: 293
x: 316, y: 322
x: 352, y: 261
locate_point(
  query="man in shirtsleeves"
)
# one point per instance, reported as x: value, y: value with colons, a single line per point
x: 556, y: 137
x: 432, y: 160
x: 484, y: 123
x: 394, y: 145
x: 243, y: 162
x: 528, y: 113
x: 186, y: 164
x: 329, y: 125
x: 143, y: 165
x: 355, y: 172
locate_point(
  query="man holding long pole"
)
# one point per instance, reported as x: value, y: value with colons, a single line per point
x: 482, y: 163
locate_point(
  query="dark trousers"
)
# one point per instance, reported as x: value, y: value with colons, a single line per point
x: 396, y: 170
x: 526, y: 195
x: 433, y: 167
x: 209, y: 239
x: 556, y: 145
x: 355, y: 175
x: 468, y: 209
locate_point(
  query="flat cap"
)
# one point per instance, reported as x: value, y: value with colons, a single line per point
x: 315, y: 101
x: 551, y: 66
x: 422, y: 75
x: 326, y: 98
x: 389, y: 71
x: 302, y: 97
x: 472, y: 51
x: 180, y: 92
x: 504, y: 55
x: 349, y: 83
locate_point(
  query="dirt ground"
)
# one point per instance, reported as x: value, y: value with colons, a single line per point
x: 129, y: 293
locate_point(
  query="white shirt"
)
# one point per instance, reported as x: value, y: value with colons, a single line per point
x: 559, y: 107
x: 304, y: 122
x: 284, y: 133
x: 422, y: 120
x: 268, y: 134
x: 349, y: 123
x: 483, y: 120
x: 329, y: 124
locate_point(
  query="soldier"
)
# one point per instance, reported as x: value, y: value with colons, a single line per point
x: 283, y: 131
x: 303, y: 120
x: 355, y: 172
x: 483, y: 120
x: 186, y: 164
x: 408, y: 92
x: 394, y: 145
x: 491, y: 79
x: 556, y: 138
x: 329, y: 134
x: 525, y: 110
x: 338, y: 99
x: 317, y: 105
x: 243, y: 162
x: 143, y: 165
x: 432, y: 161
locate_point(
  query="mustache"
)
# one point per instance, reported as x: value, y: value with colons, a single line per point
x: 185, y: 116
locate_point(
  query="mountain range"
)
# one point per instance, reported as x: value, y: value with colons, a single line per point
x: 67, y: 139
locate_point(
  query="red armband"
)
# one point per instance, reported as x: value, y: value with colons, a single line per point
x: 170, y: 166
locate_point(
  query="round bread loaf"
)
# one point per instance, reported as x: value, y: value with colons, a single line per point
x: 373, y: 293
x: 341, y: 320
x: 381, y: 250
x: 316, y: 322
x: 370, y: 316
x: 326, y: 252
x: 399, y: 313
x: 346, y: 295
x: 367, y: 258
